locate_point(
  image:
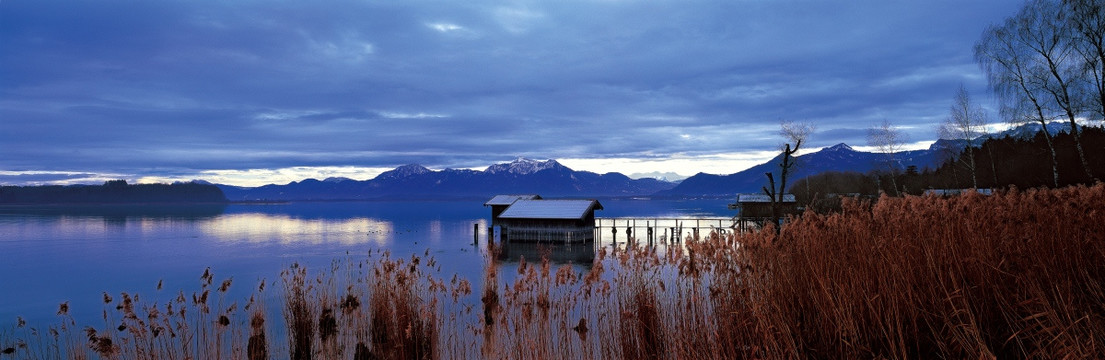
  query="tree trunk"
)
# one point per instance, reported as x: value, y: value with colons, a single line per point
x: 774, y: 204
x: 1047, y: 135
x: 1064, y: 99
x: 786, y: 169
x: 1077, y: 135
x: 971, y: 161
x: 1054, y: 159
x: 993, y: 168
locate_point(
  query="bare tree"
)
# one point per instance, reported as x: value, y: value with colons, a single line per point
x: 796, y: 133
x: 966, y: 121
x: 1006, y: 61
x: 1087, y: 22
x: 1043, y: 28
x: 792, y: 132
x: 888, y: 141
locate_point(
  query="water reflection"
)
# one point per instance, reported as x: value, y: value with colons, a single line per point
x: 56, y: 254
x: 112, y: 213
x: 25, y: 222
x: 578, y: 254
x: 283, y: 229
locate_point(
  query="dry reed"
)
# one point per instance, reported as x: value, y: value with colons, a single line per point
x: 1015, y: 275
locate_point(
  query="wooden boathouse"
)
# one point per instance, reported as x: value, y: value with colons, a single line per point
x: 756, y: 209
x: 499, y: 203
x: 541, y: 220
x: 956, y: 192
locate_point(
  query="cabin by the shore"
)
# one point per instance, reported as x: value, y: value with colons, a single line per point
x: 530, y: 218
x: 499, y: 203
x: 756, y: 208
x: 956, y: 192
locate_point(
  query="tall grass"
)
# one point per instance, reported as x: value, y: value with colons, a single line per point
x: 1018, y: 274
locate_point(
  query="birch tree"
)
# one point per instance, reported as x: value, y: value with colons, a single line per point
x: 1086, y: 20
x: 887, y: 140
x: 966, y: 121
x: 1006, y: 61
x: 1044, y: 29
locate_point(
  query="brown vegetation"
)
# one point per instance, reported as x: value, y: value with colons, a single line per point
x: 1013, y: 275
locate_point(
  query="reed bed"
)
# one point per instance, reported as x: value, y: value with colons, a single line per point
x: 1018, y: 274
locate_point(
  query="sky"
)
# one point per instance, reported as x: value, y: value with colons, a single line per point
x: 255, y: 92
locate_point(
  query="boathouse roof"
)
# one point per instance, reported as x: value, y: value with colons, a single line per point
x: 953, y: 192
x: 550, y: 209
x: 509, y: 199
x: 762, y: 198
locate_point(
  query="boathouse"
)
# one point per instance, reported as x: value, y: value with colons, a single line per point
x: 756, y: 208
x: 568, y: 221
x: 499, y: 203
x: 956, y: 192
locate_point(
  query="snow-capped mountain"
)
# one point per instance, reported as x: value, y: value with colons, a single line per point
x: 662, y: 176
x: 841, y: 148
x: 404, y: 171
x: 839, y: 157
x: 548, y: 178
x: 523, y: 166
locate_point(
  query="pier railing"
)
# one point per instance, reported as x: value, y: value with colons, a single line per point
x: 658, y: 229
x: 550, y: 234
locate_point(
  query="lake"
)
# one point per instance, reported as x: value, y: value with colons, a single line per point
x: 50, y: 255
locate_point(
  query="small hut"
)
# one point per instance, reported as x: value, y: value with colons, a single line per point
x: 756, y: 208
x: 569, y: 221
x: 499, y: 203
x: 956, y: 192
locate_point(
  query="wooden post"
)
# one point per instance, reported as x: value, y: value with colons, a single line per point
x: 697, y: 225
x: 476, y: 234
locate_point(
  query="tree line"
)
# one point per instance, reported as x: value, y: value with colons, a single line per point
x: 1044, y: 64
x: 996, y: 163
x: 1047, y: 63
x: 112, y: 192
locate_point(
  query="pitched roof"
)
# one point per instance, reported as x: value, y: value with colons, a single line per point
x: 762, y: 198
x: 550, y: 209
x: 950, y: 192
x: 509, y: 199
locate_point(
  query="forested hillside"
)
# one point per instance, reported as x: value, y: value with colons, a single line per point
x: 112, y: 192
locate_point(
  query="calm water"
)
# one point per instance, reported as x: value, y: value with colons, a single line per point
x: 50, y: 255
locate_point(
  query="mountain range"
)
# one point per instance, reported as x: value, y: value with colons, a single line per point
x: 414, y: 182
x: 839, y: 157
x: 551, y: 179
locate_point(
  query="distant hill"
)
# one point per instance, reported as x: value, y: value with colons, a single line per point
x: 112, y: 192
x: 839, y: 157
x: 547, y: 178
x: 551, y: 179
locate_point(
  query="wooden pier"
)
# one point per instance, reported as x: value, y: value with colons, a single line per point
x: 656, y: 230
x: 660, y: 233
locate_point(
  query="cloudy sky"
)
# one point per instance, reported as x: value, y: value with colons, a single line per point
x: 252, y: 92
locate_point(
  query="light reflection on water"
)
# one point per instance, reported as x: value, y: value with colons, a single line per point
x: 284, y: 229
x: 53, y: 255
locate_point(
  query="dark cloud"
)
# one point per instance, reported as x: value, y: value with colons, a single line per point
x: 173, y: 87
